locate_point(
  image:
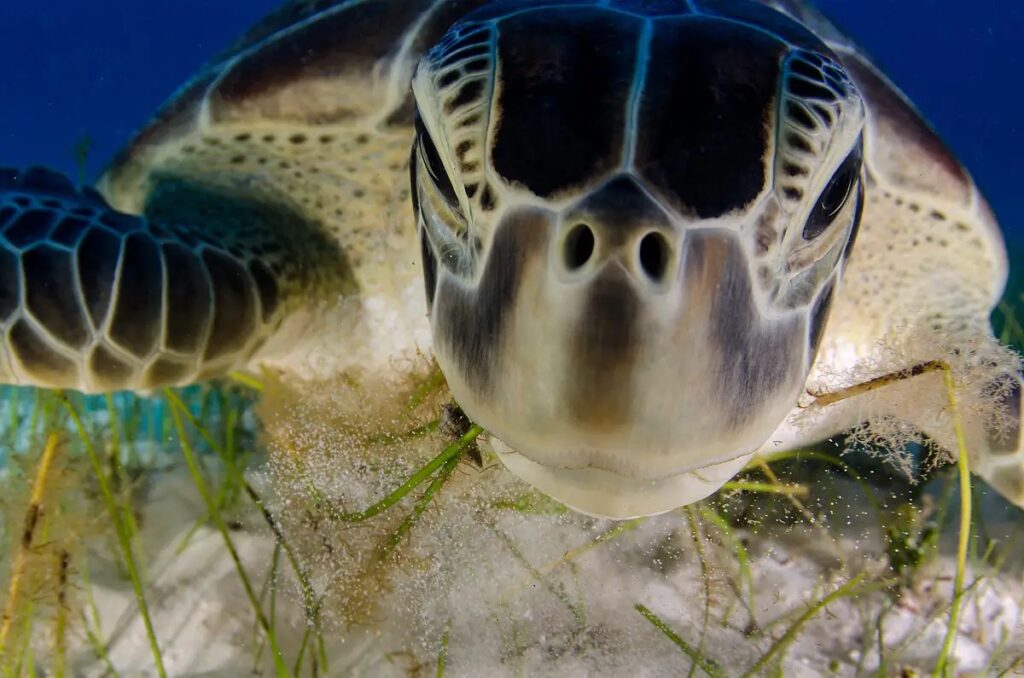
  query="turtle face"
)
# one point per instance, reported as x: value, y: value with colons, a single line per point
x: 632, y: 227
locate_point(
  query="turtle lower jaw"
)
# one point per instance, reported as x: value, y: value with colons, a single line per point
x: 607, y: 494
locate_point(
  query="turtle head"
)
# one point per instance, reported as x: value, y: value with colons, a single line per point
x: 632, y: 227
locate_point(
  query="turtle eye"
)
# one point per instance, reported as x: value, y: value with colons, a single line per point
x: 835, y: 196
x: 432, y: 161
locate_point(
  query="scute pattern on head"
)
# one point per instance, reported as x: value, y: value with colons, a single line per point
x: 310, y: 112
x: 584, y: 74
x: 653, y: 164
x: 707, y: 109
x: 814, y: 95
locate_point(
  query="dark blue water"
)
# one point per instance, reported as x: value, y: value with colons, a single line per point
x: 98, y: 68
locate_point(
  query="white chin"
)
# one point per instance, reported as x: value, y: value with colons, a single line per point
x: 604, y: 494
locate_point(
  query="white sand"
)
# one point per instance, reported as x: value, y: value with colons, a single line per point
x: 463, y: 575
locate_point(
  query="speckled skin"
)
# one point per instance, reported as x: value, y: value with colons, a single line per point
x: 286, y: 159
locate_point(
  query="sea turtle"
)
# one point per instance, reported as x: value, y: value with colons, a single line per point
x: 626, y: 226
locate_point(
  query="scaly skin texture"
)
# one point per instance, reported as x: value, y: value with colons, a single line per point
x: 277, y: 224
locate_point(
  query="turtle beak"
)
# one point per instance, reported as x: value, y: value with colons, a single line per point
x: 610, y: 338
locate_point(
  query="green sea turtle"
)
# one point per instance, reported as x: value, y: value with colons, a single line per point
x: 627, y: 224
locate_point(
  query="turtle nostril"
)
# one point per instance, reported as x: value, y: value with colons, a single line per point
x: 654, y: 255
x: 579, y: 246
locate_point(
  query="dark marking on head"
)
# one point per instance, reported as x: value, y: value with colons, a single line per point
x: 766, y: 233
x: 791, y: 169
x: 487, y: 200
x: 858, y: 216
x: 30, y: 227
x: 43, y: 363
x: 138, y: 310
x: 467, y: 94
x: 801, y: 116
x: 98, y: 255
x: 819, y: 317
x: 429, y: 262
x: 434, y: 165
x: 805, y: 69
x: 565, y: 79
x: 233, y: 311
x: 449, y: 78
x: 189, y: 300
x: 826, y: 113
x: 470, y: 120
x: 805, y: 89
x: 463, y: 148
x: 108, y: 370
x: 799, y: 142
x: 757, y: 357
x: 50, y: 294
x: 707, y: 108
x: 618, y: 211
x: 471, y: 323
x: 604, y: 352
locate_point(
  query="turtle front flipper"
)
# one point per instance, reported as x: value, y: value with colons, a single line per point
x: 1000, y: 461
x: 96, y: 300
x: 967, y: 400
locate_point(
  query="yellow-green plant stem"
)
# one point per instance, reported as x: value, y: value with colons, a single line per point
x: 869, y: 492
x: 28, y: 535
x: 122, y: 530
x: 442, y: 656
x: 197, y: 478
x: 312, y: 609
x: 613, y: 532
x: 787, y: 638
x: 767, y: 488
x: 432, y: 383
x: 705, y: 574
x: 416, y: 479
x: 93, y: 636
x: 742, y: 557
x: 942, y: 664
x: 553, y: 588
x: 247, y: 380
x: 421, y: 504
x: 708, y: 666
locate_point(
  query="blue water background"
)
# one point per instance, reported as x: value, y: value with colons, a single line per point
x: 71, y: 68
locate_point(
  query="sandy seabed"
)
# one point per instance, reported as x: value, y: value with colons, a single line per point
x: 533, y: 596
